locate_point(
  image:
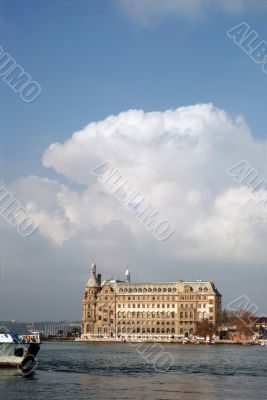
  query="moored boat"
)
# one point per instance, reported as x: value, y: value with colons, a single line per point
x: 19, y: 351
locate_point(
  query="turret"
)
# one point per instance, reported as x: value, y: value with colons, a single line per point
x: 127, y: 276
x: 93, y: 280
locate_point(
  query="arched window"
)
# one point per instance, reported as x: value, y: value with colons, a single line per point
x: 159, y: 290
x: 173, y: 330
x: 144, y: 290
x: 148, y: 314
x: 164, y: 290
x: 148, y: 330
x: 173, y: 314
x: 119, y: 314
x: 128, y: 314
x: 169, y: 290
x: 153, y: 314
x: 150, y: 290
x: 162, y: 330
x: 200, y: 290
x: 155, y: 289
x: 191, y: 314
x: 168, y: 314
x: 138, y: 314
x: 143, y: 314
x: 186, y: 314
x: 133, y: 314
x: 206, y: 289
x: 181, y: 314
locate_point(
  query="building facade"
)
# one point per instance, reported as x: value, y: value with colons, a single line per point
x: 115, y: 309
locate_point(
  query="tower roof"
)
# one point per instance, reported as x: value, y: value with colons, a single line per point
x: 93, y: 281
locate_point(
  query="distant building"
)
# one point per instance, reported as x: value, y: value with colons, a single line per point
x: 115, y: 308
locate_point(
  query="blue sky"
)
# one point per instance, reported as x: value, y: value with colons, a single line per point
x: 98, y: 58
x: 93, y: 61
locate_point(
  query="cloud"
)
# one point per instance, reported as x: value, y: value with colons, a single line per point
x: 147, y: 11
x: 179, y: 160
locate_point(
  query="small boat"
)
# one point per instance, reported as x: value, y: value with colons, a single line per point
x: 19, y: 351
x: 185, y: 340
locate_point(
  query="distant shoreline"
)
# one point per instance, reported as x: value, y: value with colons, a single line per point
x: 218, y: 342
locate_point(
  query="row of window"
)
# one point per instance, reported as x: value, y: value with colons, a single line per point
x: 146, y: 323
x: 168, y: 331
x: 168, y: 298
x: 152, y: 305
x: 188, y: 289
x: 158, y: 314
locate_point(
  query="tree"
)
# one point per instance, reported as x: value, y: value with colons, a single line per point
x: 242, y: 322
x: 205, y: 328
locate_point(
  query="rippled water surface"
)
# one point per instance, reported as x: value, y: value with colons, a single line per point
x: 117, y: 371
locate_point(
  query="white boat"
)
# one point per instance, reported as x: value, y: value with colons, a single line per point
x: 19, y: 351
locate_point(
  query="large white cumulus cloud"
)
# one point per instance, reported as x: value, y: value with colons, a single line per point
x: 179, y: 160
x: 146, y: 11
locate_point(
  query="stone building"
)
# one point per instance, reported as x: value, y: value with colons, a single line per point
x: 114, y: 308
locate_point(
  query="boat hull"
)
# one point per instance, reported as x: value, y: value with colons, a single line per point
x: 14, y: 355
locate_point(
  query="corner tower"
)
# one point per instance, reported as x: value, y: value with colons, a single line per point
x: 89, y: 301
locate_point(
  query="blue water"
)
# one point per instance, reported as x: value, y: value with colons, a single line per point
x: 120, y: 371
